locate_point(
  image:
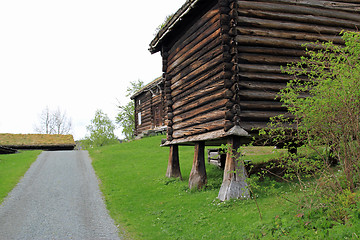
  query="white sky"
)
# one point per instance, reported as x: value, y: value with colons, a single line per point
x: 78, y: 55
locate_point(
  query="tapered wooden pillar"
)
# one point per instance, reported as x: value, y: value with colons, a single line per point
x: 234, y: 182
x: 198, y: 172
x: 173, y: 169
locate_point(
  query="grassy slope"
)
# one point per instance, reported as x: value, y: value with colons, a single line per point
x: 12, y: 168
x: 150, y: 206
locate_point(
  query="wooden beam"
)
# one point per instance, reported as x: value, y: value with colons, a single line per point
x: 198, y: 177
x: 234, y: 182
x: 173, y: 169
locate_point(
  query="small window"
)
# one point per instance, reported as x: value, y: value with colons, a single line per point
x: 139, y: 102
x: 139, y: 118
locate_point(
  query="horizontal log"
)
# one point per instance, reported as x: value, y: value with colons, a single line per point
x: 205, y: 100
x: 250, y: 95
x: 262, y: 105
x: 266, y: 59
x: 191, y: 73
x: 198, y: 64
x: 267, y: 77
x: 210, y: 30
x: 297, y: 17
x: 311, y: 37
x: 290, y: 26
x: 333, y: 5
x: 198, y: 95
x: 199, y: 129
x: 251, y: 126
x: 259, y: 68
x: 200, y: 82
x: 185, y: 113
x: 201, y: 119
x: 287, y: 6
x: 261, y: 115
x: 192, y: 55
x: 204, y: 22
x: 273, y: 42
x: 271, y: 51
x: 261, y: 85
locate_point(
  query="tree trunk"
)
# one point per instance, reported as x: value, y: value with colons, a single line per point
x: 198, y: 172
x: 234, y: 183
x: 173, y: 169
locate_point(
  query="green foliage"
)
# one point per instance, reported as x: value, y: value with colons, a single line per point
x: 324, y: 100
x: 166, y: 20
x: 101, y: 131
x: 12, y: 168
x: 126, y: 117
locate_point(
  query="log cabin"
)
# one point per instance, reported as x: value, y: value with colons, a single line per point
x: 149, y: 107
x: 222, y: 71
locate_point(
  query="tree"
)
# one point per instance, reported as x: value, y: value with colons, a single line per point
x: 101, y: 131
x: 126, y: 117
x: 53, y: 122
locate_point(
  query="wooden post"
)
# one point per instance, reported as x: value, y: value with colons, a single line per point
x: 198, y: 172
x: 173, y: 169
x: 234, y: 182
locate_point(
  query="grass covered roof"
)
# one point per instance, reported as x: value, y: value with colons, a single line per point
x: 7, y: 139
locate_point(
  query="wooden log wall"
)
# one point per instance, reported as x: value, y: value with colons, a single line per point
x: 195, y: 71
x: 269, y: 34
x: 148, y: 100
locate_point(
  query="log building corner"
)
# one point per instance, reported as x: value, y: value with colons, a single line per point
x: 222, y: 71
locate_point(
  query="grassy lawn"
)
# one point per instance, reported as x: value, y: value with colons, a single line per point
x: 12, y: 168
x: 146, y: 205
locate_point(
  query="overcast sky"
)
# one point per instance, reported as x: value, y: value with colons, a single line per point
x: 78, y: 55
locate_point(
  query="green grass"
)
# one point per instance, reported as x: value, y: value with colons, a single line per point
x: 150, y: 206
x: 147, y: 205
x: 12, y: 168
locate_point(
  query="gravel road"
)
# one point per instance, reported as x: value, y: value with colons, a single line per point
x: 58, y: 198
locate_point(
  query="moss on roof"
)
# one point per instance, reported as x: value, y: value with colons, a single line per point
x: 7, y: 139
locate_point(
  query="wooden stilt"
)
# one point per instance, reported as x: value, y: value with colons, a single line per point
x: 173, y: 169
x: 234, y: 182
x: 198, y: 172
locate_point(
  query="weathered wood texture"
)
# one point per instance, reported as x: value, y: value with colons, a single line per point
x: 195, y: 70
x: 270, y: 34
x: 149, y: 103
x: 197, y: 178
x: 173, y: 169
x: 234, y: 181
x: 222, y: 59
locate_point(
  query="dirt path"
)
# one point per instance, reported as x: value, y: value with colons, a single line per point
x: 58, y: 198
